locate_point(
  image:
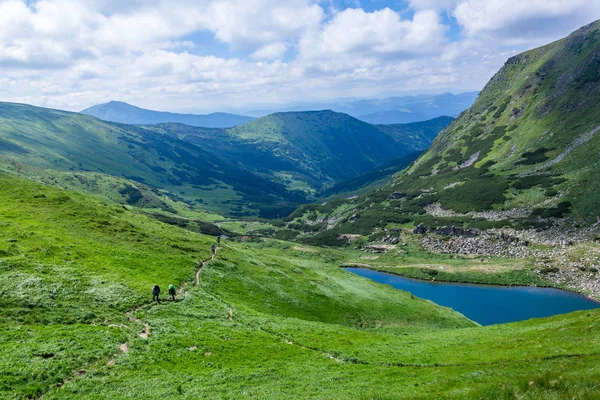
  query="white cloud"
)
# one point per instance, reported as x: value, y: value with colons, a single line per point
x: 526, y: 21
x: 71, y: 54
x: 270, y: 52
x: 355, y: 38
x: 247, y: 23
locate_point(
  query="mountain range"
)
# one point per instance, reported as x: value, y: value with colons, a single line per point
x: 524, y: 155
x: 117, y: 111
x: 266, y: 167
x: 389, y: 110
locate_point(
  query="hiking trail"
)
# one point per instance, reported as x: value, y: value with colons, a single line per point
x: 144, y: 334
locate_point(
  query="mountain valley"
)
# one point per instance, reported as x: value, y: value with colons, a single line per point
x: 255, y: 226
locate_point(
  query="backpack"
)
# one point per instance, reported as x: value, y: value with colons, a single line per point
x: 155, y: 290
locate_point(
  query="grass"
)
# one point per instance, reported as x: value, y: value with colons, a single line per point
x: 270, y: 319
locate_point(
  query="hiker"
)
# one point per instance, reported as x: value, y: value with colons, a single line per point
x: 213, y: 249
x: 219, y: 241
x: 172, y: 291
x: 155, y: 293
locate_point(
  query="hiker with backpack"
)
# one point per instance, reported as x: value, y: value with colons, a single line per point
x: 172, y: 292
x: 213, y: 249
x: 219, y: 241
x: 156, y: 293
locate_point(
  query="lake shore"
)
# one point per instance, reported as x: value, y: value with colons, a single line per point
x: 487, y: 304
x: 515, y: 278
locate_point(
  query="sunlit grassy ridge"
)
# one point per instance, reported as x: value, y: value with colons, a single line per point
x: 268, y: 320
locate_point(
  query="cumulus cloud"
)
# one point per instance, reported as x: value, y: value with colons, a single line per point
x: 247, y: 23
x: 524, y: 21
x: 161, y: 54
x: 271, y: 51
x: 355, y: 38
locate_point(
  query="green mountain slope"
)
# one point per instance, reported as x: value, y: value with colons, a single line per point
x: 64, y: 141
x: 529, y: 141
x: 523, y: 155
x: 310, y: 150
x: 267, y: 319
x: 324, y: 143
x: 369, y: 180
x: 265, y: 168
x: 117, y: 111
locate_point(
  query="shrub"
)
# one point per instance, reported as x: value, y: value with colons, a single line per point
x: 549, y: 270
x: 286, y: 234
x: 544, y: 181
x: 501, y: 108
x: 534, y: 157
x: 475, y: 195
x: 555, y: 212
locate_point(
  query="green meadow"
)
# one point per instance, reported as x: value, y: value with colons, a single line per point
x: 268, y: 319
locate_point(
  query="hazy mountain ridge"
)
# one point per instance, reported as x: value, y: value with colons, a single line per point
x: 389, y: 110
x: 116, y: 111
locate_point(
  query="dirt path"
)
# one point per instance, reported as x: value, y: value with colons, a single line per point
x: 202, y: 264
x: 144, y: 334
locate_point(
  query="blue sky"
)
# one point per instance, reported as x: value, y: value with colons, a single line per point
x: 232, y: 55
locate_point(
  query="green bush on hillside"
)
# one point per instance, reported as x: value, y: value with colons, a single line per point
x: 554, y: 212
x: 475, y: 195
x: 534, y: 157
x: 544, y: 181
x: 501, y: 108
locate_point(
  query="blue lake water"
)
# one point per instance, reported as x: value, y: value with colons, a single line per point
x: 487, y: 304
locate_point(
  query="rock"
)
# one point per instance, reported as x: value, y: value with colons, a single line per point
x: 420, y: 230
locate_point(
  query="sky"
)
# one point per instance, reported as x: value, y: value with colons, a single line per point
x: 227, y: 55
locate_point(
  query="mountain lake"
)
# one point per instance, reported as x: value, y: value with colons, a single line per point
x: 488, y: 304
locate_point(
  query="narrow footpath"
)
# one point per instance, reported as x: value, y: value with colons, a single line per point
x: 144, y: 334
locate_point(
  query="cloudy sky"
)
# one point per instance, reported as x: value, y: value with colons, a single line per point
x: 209, y: 55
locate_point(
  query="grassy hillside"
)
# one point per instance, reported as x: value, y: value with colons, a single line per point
x: 310, y: 151
x: 369, y: 180
x: 524, y: 155
x: 70, y: 267
x: 332, y: 145
x: 268, y: 319
x: 63, y: 141
x: 419, y: 133
x: 117, y: 111
x: 530, y: 139
x: 265, y: 168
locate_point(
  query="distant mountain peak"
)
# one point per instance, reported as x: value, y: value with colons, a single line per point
x: 125, y: 113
